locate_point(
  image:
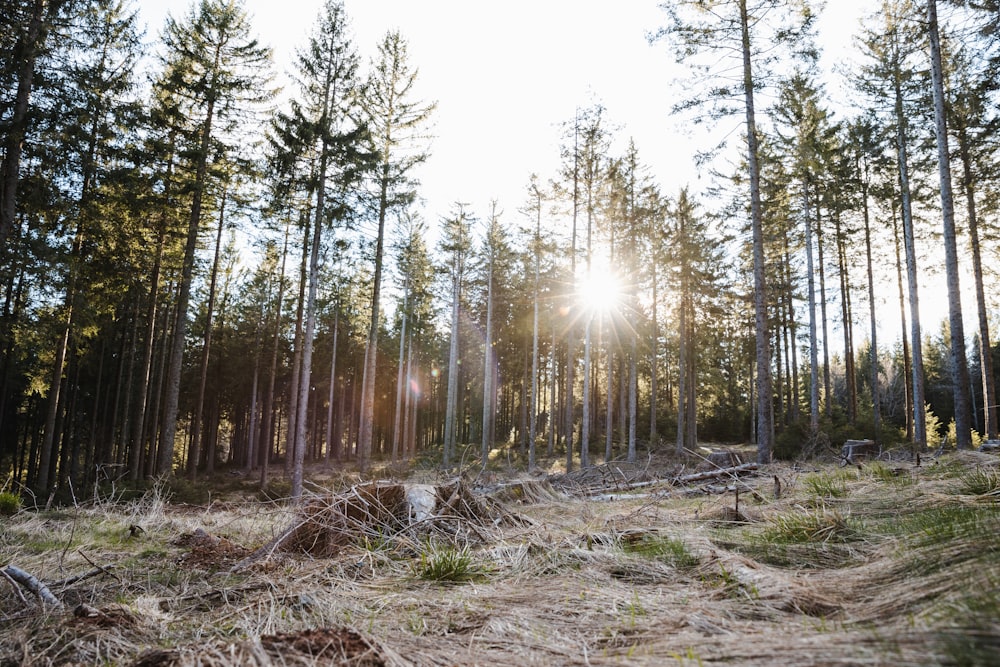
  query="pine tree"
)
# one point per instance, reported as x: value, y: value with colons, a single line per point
x: 805, y: 128
x: 974, y: 122
x: 736, y: 29
x: 492, y: 248
x: 396, y: 123
x: 455, y: 244
x: 535, y: 207
x: 97, y: 106
x: 26, y: 26
x: 329, y: 141
x: 891, y: 75
x: 213, y: 71
x: 960, y: 369
x: 865, y: 148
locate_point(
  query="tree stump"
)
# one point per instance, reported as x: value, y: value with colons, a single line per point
x: 858, y: 450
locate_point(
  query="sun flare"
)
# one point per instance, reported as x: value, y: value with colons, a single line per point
x: 601, y: 291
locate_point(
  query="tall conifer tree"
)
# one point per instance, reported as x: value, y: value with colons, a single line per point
x: 397, y: 123
x: 213, y: 71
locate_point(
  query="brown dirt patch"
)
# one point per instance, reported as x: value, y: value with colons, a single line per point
x: 209, y: 552
x: 332, y: 647
x: 343, y: 645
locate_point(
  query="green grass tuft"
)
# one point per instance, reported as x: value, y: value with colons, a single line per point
x: 830, y: 485
x: 821, y: 526
x: 979, y: 482
x: 881, y: 471
x: 10, y: 503
x: 449, y: 564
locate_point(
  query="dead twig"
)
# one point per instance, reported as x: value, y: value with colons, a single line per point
x: 69, y: 581
x: 100, y: 568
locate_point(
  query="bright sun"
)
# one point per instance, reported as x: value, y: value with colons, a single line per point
x: 600, y: 292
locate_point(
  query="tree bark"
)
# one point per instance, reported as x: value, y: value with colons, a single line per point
x: 10, y: 167
x: 876, y: 392
x: 197, y: 427
x: 909, y: 245
x: 985, y: 352
x: 960, y: 367
x: 765, y: 421
x: 452, y: 396
x: 164, y: 462
x: 907, y: 387
x: 488, y: 389
x: 267, y: 412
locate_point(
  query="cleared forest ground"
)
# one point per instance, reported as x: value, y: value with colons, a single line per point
x: 887, y: 563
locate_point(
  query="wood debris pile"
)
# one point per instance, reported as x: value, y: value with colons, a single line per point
x: 382, y: 511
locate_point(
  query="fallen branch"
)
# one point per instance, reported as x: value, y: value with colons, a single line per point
x: 69, y: 581
x: 712, y: 474
x: 98, y: 568
x: 266, y: 550
x: 32, y: 583
x: 684, y: 479
x: 610, y: 497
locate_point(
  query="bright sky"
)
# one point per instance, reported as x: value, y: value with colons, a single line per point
x: 505, y: 75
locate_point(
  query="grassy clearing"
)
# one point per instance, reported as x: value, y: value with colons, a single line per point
x: 887, y: 564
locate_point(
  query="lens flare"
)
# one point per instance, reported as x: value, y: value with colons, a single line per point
x: 600, y: 292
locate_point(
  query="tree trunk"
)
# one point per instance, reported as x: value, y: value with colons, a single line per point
x: 633, y: 397
x: 268, y: 410
x: 848, y: 326
x: 371, y: 352
x: 533, y: 427
x: 553, y: 386
x: 813, y: 331
x: 585, y: 428
x: 333, y: 384
x: 451, y: 403
x: 304, y: 386
x: 654, y: 344
x: 876, y: 393
x: 765, y: 422
x: 196, y: 426
x: 682, y: 358
x: 297, y: 345
x: 824, y: 320
x: 164, y: 462
x: 17, y: 125
x: 907, y: 387
x: 609, y: 412
x: 410, y: 407
x: 985, y: 352
x: 488, y: 389
x: 960, y: 368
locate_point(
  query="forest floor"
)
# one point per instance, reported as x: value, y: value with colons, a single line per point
x: 882, y: 563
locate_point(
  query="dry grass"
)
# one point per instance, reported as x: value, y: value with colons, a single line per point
x: 877, y: 566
